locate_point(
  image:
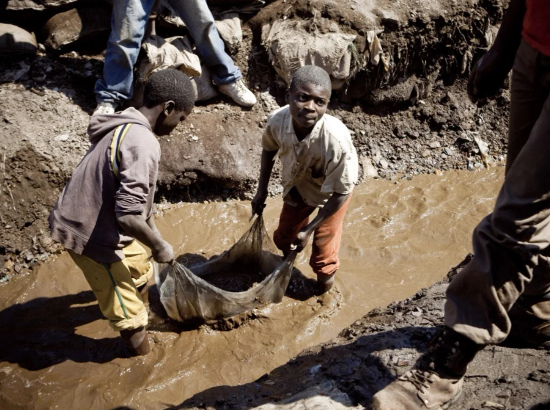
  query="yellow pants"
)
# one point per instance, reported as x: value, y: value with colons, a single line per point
x: 115, y: 286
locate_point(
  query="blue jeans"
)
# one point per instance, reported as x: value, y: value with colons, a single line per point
x: 128, y: 23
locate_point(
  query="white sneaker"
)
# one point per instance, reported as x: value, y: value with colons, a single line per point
x: 105, y: 107
x: 238, y: 93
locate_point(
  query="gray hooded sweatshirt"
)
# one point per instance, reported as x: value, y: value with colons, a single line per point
x: 84, y: 218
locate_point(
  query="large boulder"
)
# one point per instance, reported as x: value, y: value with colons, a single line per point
x: 15, y: 40
x: 76, y: 24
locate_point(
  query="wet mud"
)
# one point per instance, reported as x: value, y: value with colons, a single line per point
x: 375, y: 350
x: 399, y: 236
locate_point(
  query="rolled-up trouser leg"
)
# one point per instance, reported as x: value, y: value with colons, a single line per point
x: 512, y: 245
x: 326, y: 243
x: 200, y: 22
x: 114, y: 286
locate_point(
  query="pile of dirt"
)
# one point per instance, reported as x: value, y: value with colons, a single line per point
x: 377, y: 349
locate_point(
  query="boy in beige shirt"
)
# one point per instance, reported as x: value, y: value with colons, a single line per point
x: 320, y: 169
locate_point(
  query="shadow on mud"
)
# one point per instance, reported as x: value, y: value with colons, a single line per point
x: 42, y: 333
x: 355, y: 369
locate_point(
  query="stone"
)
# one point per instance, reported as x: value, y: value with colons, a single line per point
x: 61, y: 138
x: 15, y: 40
x: 67, y: 27
x: 384, y: 164
x: 369, y: 171
x: 492, y: 405
x: 435, y: 144
x: 448, y: 151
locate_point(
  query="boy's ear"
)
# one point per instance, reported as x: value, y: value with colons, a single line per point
x: 287, y: 96
x: 169, y: 107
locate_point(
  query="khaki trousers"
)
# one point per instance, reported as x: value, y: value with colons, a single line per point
x: 512, y: 245
x: 115, y: 286
x: 326, y: 238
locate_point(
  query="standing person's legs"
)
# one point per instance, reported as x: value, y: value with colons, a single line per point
x: 200, y: 22
x: 511, y: 254
x: 326, y: 245
x: 512, y: 245
x: 292, y: 220
x: 128, y: 23
x: 114, y: 286
x: 525, y: 105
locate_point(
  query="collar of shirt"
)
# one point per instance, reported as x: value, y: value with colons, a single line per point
x: 313, y: 135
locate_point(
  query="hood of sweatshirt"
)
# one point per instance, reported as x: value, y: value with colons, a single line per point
x: 103, y: 124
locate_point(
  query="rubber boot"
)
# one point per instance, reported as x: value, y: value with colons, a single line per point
x: 136, y: 341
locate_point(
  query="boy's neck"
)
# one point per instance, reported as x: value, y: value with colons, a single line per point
x: 152, y: 114
x: 301, y: 133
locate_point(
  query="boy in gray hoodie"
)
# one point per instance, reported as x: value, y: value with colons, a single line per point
x: 108, y: 203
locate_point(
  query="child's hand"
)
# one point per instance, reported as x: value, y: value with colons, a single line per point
x: 164, y: 253
x: 258, y: 203
x: 301, y: 240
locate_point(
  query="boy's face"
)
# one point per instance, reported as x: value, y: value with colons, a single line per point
x: 307, y: 103
x: 168, y: 119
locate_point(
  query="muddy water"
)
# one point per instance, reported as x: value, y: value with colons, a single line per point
x: 57, y: 352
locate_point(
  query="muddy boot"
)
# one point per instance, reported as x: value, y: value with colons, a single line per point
x: 324, y: 283
x: 530, y: 324
x: 436, y: 380
x: 136, y: 341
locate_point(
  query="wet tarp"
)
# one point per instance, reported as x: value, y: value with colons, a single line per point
x: 187, y: 296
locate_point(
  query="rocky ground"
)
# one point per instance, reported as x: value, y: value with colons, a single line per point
x: 413, y: 119
x: 348, y: 370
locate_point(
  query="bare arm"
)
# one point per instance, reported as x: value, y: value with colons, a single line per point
x: 136, y: 226
x: 265, y: 174
x: 334, y: 203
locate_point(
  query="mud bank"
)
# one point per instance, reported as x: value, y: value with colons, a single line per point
x: 399, y: 236
x: 348, y: 370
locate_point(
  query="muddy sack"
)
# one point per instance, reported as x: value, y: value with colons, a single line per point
x: 187, y: 295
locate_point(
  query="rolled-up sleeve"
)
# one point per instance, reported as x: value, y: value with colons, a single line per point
x: 341, y: 171
x: 269, y: 142
x: 138, y: 174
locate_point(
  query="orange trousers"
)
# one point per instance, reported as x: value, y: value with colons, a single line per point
x: 326, y: 238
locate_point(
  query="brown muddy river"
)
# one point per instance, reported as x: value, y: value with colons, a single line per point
x: 57, y: 351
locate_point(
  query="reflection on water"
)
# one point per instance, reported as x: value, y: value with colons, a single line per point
x: 57, y: 352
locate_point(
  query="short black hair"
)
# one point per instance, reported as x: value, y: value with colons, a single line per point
x: 169, y: 84
x: 311, y: 74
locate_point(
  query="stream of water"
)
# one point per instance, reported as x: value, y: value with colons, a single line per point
x: 57, y: 351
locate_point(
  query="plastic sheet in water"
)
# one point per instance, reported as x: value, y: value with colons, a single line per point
x: 186, y: 295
